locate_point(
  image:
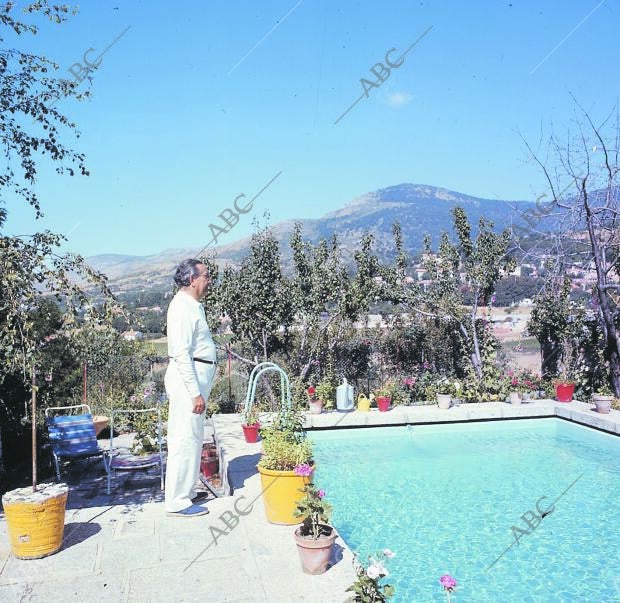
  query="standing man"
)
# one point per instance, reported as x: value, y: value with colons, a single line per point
x: 188, y: 381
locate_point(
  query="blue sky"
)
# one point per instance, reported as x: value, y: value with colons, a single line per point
x: 183, y: 120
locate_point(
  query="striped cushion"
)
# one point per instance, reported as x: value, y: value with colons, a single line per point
x: 73, y: 435
x: 135, y: 461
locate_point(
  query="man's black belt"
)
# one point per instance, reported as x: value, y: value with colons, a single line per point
x: 203, y: 360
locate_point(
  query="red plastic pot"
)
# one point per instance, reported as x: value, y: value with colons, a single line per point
x: 383, y: 403
x: 564, y: 392
x: 251, y: 433
x: 209, y: 451
x: 209, y: 466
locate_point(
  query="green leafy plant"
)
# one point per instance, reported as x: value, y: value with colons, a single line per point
x: 367, y: 587
x: 252, y: 416
x: 385, y: 391
x: 285, y: 444
x: 325, y: 391
x: 316, y: 512
x: 280, y: 453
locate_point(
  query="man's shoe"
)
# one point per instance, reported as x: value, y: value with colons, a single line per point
x: 202, y: 495
x: 192, y: 511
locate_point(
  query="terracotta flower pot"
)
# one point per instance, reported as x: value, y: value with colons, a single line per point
x: 603, y: 403
x: 100, y: 422
x: 383, y: 403
x: 316, y: 407
x: 251, y: 433
x: 315, y: 554
x: 564, y: 392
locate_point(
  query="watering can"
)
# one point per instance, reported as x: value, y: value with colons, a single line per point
x: 344, y: 397
x: 363, y: 403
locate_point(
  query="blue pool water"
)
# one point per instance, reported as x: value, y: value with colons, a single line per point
x: 445, y: 497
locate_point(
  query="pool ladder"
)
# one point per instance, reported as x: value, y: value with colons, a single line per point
x: 255, y: 375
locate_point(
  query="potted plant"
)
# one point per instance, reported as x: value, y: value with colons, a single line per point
x: 564, y: 386
x: 35, y: 516
x: 285, y: 467
x: 315, y: 403
x: 251, y: 424
x: 314, y: 537
x: 445, y: 390
x: 383, y: 397
x: 367, y: 587
x: 325, y: 393
x: 603, y: 399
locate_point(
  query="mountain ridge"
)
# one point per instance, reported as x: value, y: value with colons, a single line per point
x: 419, y: 208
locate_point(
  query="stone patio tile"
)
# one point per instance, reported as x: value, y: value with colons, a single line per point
x: 119, y: 556
x: 94, y: 588
x: 79, y: 555
x: 15, y: 592
x: 209, y: 539
x: 216, y: 580
x: 131, y: 528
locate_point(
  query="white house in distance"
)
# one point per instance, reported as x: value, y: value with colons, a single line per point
x: 132, y: 335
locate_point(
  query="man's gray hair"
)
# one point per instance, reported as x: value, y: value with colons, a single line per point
x: 186, y: 270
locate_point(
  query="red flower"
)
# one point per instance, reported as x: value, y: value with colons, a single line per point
x: 311, y: 390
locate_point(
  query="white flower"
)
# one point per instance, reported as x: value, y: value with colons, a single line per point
x: 457, y: 386
x: 373, y: 571
x: 389, y: 553
x: 382, y: 569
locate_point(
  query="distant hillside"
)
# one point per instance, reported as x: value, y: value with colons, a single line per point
x: 420, y: 209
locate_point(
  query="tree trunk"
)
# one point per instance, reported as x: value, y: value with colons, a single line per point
x: 549, y: 351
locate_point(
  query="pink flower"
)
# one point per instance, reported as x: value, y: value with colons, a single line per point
x: 448, y: 582
x: 132, y: 399
x: 304, y: 470
x: 409, y: 381
x: 321, y: 493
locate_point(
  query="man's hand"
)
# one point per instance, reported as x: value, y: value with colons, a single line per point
x: 199, y: 405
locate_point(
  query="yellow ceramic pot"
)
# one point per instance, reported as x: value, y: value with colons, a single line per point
x: 363, y: 403
x: 281, y: 494
x: 36, y: 521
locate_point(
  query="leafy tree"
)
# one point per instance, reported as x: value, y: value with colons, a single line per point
x: 32, y: 266
x: 256, y: 298
x: 471, y: 266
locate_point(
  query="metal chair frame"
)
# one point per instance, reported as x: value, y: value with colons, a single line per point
x: 111, y: 468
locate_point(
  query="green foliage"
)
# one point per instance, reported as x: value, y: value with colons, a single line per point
x: 284, y: 442
x: 325, y: 391
x: 252, y: 416
x: 315, y: 510
x: 257, y: 297
x: 282, y: 454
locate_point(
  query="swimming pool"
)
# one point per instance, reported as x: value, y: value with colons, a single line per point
x: 444, y: 498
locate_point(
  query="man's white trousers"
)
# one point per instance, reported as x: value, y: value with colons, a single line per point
x: 185, y: 436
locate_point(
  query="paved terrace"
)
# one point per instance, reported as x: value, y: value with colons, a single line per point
x: 122, y: 547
